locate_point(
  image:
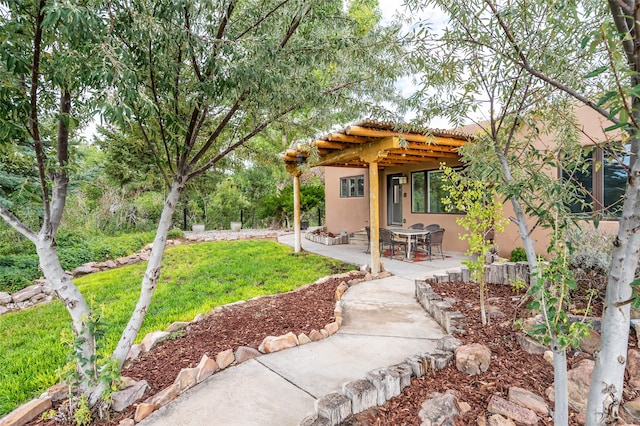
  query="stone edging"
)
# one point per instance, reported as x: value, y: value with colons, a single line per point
x: 379, y: 385
x: 382, y: 384
x: 327, y: 241
x: 189, y: 377
x: 40, y: 292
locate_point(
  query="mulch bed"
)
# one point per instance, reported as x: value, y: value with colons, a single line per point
x: 510, y: 365
x: 312, y: 307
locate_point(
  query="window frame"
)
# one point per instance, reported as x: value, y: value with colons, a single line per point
x: 601, y: 160
x: 352, y: 182
x: 426, y: 190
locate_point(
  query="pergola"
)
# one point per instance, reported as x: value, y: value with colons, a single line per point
x: 374, y: 145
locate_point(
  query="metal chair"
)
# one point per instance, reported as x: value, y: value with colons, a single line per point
x: 434, y: 239
x: 366, y: 228
x: 387, y: 238
x: 417, y: 239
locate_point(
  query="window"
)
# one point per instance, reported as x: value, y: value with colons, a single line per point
x: 601, y: 181
x: 352, y: 187
x: 427, y: 192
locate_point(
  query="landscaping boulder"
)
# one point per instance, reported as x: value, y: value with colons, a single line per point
x: 129, y: 395
x: 439, y: 409
x: 517, y: 413
x: 473, y: 359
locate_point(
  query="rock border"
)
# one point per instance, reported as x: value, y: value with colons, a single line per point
x: 378, y: 386
x: 327, y: 241
x: 189, y: 377
x: 40, y: 292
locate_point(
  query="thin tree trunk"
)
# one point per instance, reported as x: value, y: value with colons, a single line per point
x: 75, y: 303
x: 561, y: 410
x: 483, y: 310
x: 152, y: 273
x: 608, y: 376
x: 521, y: 222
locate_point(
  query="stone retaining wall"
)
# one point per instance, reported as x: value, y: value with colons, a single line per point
x: 41, y: 292
x: 326, y: 240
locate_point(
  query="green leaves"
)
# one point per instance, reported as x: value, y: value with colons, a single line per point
x: 596, y: 72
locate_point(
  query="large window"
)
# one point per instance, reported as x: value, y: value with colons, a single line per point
x: 427, y: 192
x: 601, y: 181
x: 352, y: 187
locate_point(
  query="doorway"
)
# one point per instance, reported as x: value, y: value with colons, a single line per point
x: 394, y: 200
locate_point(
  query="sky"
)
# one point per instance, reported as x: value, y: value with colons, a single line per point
x: 437, y: 20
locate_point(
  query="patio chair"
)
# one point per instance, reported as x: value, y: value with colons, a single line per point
x: 417, y: 239
x: 387, y: 238
x: 434, y: 239
x: 366, y: 228
x: 432, y: 227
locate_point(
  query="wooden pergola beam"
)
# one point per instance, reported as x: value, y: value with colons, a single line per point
x: 328, y: 145
x: 367, y: 153
x: 341, y: 137
x: 411, y: 137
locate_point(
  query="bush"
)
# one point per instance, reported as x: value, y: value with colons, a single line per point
x: 18, y: 271
x: 590, y: 249
x: 518, y: 255
x: 590, y: 258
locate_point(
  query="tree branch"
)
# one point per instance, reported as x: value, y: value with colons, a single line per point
x: 61, y: 178
x: 240, y: 142
x: 523, y: 62
x: 262, y: 19
x: 155, y: 155
x: 619, y: 13
x: 16, y: 224
x: 156, y: 100
x: 34, y: 127
x: 223, y: 123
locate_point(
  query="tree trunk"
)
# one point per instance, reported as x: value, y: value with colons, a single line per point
x: 483, y: 310
x: 152, y: 272
x: 561, y: 410
x: 608, y: 376
x: 75, y: 303
x: 521, y: 222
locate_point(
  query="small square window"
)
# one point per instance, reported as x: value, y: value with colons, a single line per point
x: 352, y: 186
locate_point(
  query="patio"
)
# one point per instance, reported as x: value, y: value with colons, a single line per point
x: 353, y: 253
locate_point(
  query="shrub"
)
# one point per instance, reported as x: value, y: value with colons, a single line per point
x: 590, y: 257
x: 518, y: 255
x: 590, y: 249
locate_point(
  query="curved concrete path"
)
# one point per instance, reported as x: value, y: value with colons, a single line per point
x: 383, y: 324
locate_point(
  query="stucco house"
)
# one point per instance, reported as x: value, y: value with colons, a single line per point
x: 378, y: 176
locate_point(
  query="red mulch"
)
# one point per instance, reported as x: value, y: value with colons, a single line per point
x: 312, y: 307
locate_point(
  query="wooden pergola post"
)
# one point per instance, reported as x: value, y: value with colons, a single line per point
x: 374, y: 218
x: 296, y: 213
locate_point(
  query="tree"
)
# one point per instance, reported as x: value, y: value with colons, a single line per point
x: 48, y: 70
x: 483, y: 216
x: 196, y: 81
x: 587, y: 52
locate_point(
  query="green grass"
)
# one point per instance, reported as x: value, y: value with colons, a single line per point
x: 195, y: 278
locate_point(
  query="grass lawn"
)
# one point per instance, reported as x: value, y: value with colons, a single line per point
x: 195, y: 278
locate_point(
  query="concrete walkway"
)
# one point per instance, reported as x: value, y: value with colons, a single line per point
x: 382, y: 325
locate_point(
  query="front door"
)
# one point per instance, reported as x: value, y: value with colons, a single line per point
x: 394, y: 200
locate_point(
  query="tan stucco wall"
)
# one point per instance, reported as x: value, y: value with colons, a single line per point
x: 345, y: 214
x: 352, y: 214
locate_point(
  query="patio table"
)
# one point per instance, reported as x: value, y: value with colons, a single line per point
x: 410, y: 235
